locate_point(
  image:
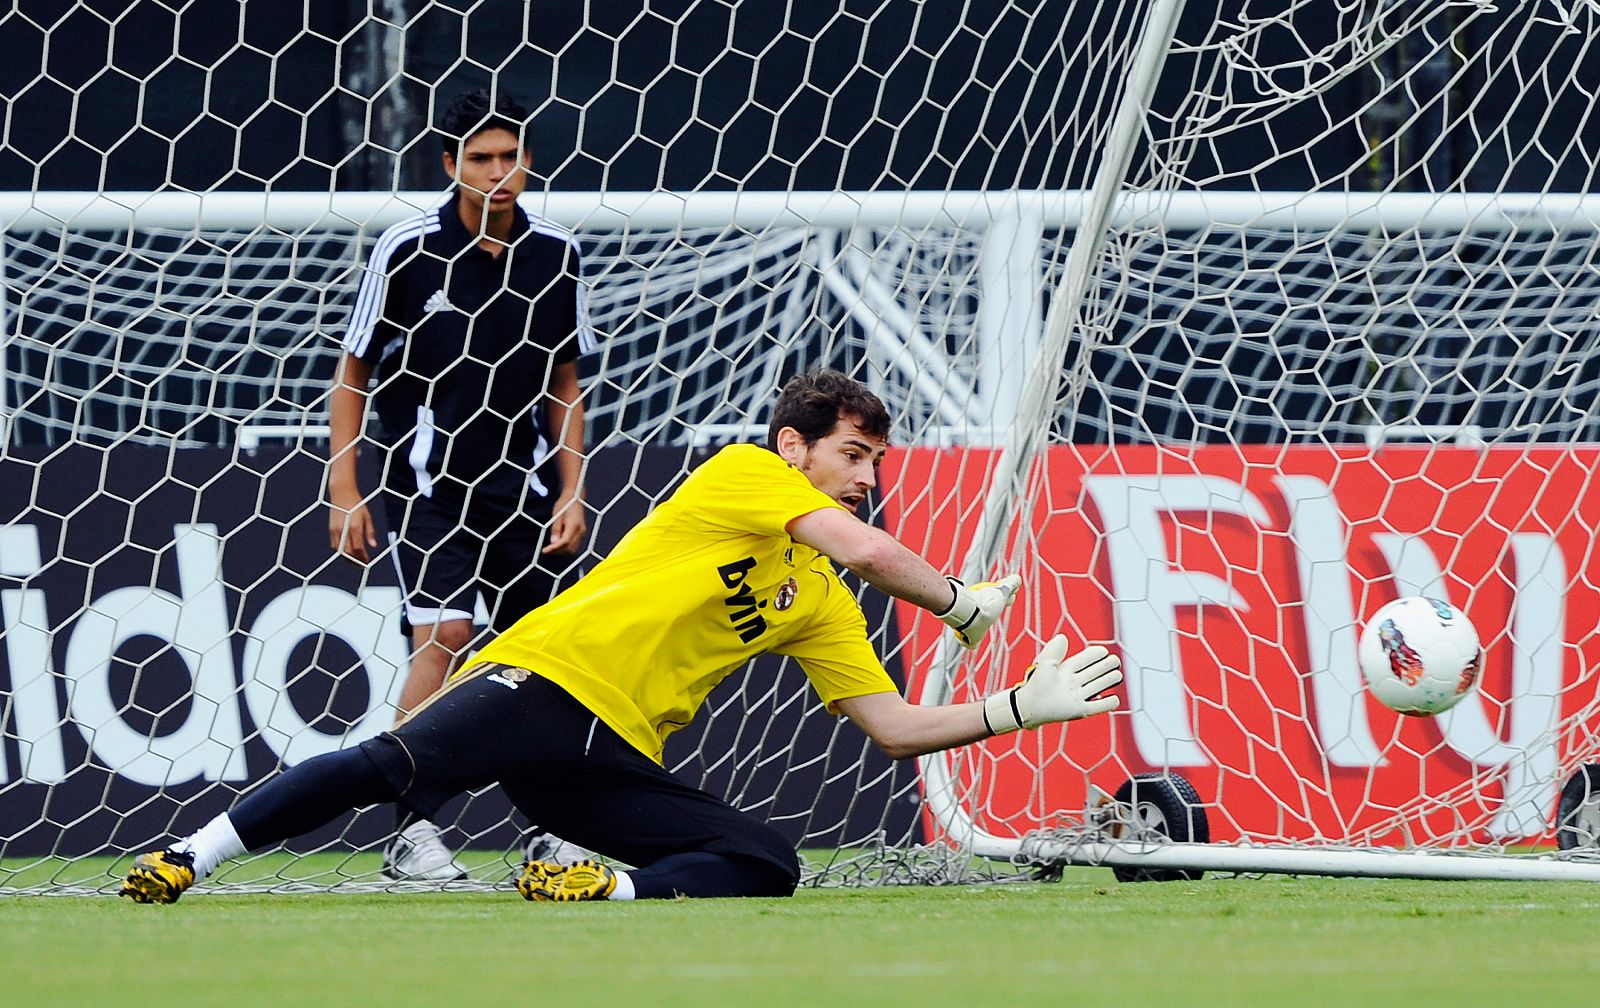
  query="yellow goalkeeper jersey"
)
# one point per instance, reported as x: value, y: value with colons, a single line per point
x: 708, y: 581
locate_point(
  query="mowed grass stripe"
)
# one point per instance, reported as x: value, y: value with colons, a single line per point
x: 1085, y: 940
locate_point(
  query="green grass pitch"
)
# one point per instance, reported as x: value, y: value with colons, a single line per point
x: 1085, y: 940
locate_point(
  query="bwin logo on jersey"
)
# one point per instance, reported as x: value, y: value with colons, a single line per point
x: 743, y: 608
x: 437, y: 302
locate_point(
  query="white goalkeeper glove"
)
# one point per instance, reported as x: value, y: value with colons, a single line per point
x: 1058, y: 688
x: 973, y: 610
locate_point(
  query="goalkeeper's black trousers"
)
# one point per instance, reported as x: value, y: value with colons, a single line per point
x: 563, y: 767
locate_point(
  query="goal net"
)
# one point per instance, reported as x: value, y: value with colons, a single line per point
x: 1222, y: 327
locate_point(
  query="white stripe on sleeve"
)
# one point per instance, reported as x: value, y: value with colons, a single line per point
x: 375, y: 279
x: 585, y: 331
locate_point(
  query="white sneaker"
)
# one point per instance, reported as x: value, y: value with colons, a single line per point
x: 552, y: 849
x: 419, y: 855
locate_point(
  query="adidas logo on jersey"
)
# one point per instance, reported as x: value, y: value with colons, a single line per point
x: 508, y: 676
x: 437, y: 302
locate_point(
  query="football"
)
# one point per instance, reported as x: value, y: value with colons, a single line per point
x: 1420, y: 655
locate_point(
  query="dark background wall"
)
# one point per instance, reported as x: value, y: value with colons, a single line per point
x: 856, y: 94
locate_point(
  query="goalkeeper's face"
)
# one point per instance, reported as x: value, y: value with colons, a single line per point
x: 493, y: 169
x: 843, y: 464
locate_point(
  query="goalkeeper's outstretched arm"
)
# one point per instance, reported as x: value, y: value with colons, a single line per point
x: 1058, y: 687
x: 879, y: 559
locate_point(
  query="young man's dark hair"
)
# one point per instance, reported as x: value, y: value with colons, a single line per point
x: 812, y: 403
x: 476, y: 111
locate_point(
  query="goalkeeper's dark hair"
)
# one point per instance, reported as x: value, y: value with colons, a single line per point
x: 812, y: 404
x: 483, y: 109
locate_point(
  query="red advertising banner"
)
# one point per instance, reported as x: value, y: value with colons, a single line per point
x: 1235, y: 582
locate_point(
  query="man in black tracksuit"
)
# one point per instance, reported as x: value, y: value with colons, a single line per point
x: 471, y: 316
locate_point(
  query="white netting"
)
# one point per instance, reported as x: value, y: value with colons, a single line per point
x: 181, y: 337
x: 171, y: 337
x: 1274, y: 420
x: 1326, y: 339
x: 1325, y: 334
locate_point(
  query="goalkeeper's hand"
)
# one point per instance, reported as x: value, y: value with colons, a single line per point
x: 1057, y: 688
x: 974, y: 609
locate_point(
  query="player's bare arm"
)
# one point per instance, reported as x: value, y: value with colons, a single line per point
x: 903, y: 730
x: 350, y: 528
x: 568, y: 523
x: 875, y: 556
x: 1057, y: 688
x: 844, y: 465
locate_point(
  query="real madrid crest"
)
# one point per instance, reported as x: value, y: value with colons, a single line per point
x: 786, y: 593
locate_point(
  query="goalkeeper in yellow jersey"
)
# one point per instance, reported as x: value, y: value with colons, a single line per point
x: 568, y: 709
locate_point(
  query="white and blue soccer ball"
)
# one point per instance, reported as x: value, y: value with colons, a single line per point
x: 1420, y: 655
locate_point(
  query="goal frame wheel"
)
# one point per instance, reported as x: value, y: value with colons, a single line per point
x: 1166, y: 803
x: 1578, y: 812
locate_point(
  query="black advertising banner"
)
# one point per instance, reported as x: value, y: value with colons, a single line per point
x: 174, y: 627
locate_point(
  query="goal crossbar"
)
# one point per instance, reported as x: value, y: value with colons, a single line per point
x: 1178, y: 210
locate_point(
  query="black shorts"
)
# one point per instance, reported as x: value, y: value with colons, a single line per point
x: 564, y: 769
x: 446, y: 560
